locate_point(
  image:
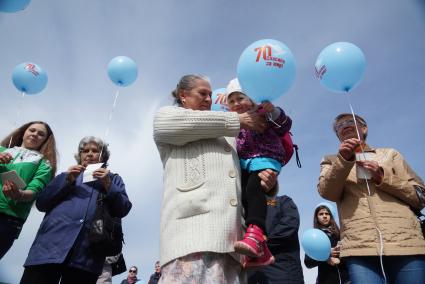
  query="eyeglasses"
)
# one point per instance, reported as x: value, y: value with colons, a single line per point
x: 348, y: 122
x: 132, y: 271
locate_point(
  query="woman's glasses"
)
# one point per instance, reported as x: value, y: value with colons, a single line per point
x: 343, y: 124
x: 132, y: 271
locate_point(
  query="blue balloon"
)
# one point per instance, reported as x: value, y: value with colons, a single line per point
x: 29, y: 78
x: 122, y: 70
x: 219, y: 100
x: 340, y: 66
x: 266, y: 70
x: 11, y: 6
x: 316, y: 244
x: 331, y: 208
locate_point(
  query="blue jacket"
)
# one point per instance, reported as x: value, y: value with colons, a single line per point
x: 63, y: 233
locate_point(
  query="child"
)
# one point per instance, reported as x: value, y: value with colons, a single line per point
x: 330, y: 271
x: 257, y: 152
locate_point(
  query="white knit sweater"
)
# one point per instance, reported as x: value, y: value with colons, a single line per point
x: 201, y: 206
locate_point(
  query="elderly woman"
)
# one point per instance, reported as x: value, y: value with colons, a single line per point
x: 30, y: 151
x: 61, y: 251
x: 375, y: 210
x: 201, y: 210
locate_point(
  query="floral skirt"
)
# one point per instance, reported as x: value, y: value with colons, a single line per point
x: 203, y: 268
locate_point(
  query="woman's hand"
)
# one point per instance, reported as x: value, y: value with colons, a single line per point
x: 102, y: 175
x: 268, y: 179
x: 347, y: 148
x: 253, y: 121
x: 333, y: 261
x: 374, y: 168
x: 10, y: 190
x: 74, y: 172
x: 5, y: 158
x: 335, y: 251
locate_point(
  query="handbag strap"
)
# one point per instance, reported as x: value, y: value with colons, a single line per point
x: 297, y: 157
x: 420, y: 192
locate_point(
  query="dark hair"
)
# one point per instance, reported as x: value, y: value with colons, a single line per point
x: 103, y: 147
x: 333, y: 226
x: 186, y: 83
x: 47, y: 149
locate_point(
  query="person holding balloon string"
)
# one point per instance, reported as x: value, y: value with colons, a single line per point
x: 381, y: 239
x: 30, y: 151
x: 331, y: 271
x: 257, y: 152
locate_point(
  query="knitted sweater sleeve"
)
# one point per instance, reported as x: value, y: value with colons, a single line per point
x: 179, y: 126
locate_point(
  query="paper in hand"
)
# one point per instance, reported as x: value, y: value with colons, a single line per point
x: 13, y: 177
x: 88, y: 173
x: 362, y: 173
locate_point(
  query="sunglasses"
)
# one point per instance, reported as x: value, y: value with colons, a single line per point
x: 132, y: 271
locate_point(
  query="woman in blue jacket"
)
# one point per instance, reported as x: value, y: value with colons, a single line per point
x: 60, y: 251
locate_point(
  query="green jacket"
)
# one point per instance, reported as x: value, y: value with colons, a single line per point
x: 33, y: 169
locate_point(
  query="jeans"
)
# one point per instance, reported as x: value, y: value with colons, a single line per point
x: 398, y: 269
x: 10, y: 227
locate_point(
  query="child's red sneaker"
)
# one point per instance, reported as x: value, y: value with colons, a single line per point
x: 265, y: 258
x: 251, y: 243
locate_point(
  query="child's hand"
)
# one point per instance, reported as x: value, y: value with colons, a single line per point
x: 268, y: 107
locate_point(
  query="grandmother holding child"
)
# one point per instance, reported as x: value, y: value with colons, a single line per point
x: 201, y: 207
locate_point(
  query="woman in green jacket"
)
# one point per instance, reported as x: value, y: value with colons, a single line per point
x: 30, y: 151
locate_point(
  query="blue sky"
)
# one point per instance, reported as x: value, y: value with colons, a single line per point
x: 74, y: 41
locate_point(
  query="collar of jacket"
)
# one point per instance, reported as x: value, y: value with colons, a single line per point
x: 368, y: 148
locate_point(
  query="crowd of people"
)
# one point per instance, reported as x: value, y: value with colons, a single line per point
x: 222, y: 219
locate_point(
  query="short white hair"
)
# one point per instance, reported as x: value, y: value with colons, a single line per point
x: 99, y: 142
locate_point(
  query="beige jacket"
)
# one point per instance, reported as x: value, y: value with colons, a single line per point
x: 387, y: 208
x: 201, y: 205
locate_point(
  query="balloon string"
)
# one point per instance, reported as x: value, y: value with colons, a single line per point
x: 109, y: 121
x: 18, y: 113
x: 368, y: 191
x: 269, y: 118
x: 355, y: 122
x: 339, y: 274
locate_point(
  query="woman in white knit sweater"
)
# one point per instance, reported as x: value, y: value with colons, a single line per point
x: 201, y: 207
